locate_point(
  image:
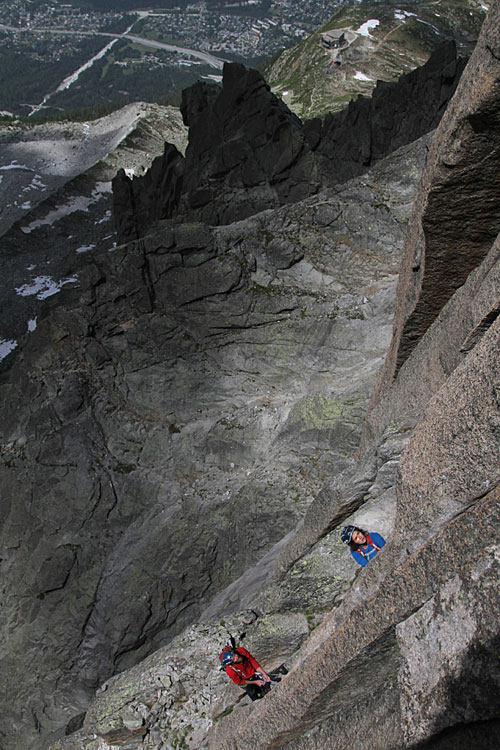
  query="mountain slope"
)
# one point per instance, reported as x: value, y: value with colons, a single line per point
x: 385, y: 39
x: 180, y: 439
x: 55, y: 181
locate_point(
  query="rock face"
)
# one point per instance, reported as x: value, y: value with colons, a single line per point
x: 419, y: 622
x: 461, y: 178
x: 181, y: 440
x: 152, y: 197
x: 171, y: 421
x: 247, y: 152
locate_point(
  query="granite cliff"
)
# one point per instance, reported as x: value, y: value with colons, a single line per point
x: 187, y: 431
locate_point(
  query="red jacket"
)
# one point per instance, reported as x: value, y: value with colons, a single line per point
x: 243, y: 670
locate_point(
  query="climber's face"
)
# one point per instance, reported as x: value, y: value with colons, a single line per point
x: 358, y: 537
x: 237, y: 658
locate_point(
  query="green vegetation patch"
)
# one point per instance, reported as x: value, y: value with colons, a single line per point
x: 128, y: 73
x: 403, y: 39
x: 320, y: 412
x: 33, y: 66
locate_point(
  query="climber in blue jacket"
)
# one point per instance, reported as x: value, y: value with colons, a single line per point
x: 364, y: 546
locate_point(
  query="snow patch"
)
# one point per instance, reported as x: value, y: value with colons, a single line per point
x: 35, y: 184
x: 106, y: 217
x: 426, y: 23
x: 85, y: 248
x: 366, y: 27
x: 15, y: 165
x: 44, y: 286
x: 361, y: 76
x: 217, y: 79
x: 32, y: 324
x: 26, y: 205
x: 6, y: 346
x: 402, y: 15
x: 80, y: 203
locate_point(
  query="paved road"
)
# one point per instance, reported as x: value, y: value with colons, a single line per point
x: 215, y: 62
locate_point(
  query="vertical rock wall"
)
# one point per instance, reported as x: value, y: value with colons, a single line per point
x: 457, y: 212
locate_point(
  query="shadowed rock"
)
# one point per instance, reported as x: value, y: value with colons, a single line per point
x: 405, y: 674
x: 248, y: 152
x: 139, y: 202
x: 348, y: 142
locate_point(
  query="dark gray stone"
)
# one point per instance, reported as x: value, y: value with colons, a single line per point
x: 139, y: 202
x: 158, y: 426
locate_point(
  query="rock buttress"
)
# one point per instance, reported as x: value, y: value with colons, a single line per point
x: 456, y: 216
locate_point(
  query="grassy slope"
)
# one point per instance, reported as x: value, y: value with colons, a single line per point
x: 304, y: 78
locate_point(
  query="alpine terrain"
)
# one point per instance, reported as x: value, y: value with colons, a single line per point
x: 228, y: 333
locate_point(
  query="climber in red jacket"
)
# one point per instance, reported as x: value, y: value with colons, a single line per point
x: 246, y: 671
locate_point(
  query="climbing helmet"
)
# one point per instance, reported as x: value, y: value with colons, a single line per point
x: 347, y: 533
x: 227, y: 657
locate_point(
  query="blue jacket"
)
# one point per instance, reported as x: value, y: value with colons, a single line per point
x: 364, y: 555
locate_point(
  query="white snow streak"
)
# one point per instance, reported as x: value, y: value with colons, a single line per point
x: 15, y: 165
x: 6, y: 346
x: 402, y: 15
x: 362, y: 77
x: 44, y: 286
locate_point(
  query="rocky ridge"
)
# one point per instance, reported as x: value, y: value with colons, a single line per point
x: 247, y: 152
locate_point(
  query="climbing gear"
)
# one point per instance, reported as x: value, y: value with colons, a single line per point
x: 347, y: 533
x: 227, y: 657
